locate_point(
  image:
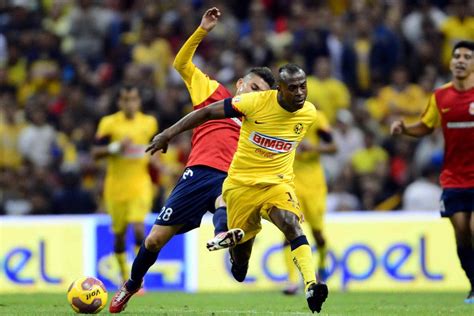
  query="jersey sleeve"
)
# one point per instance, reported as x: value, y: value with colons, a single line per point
x: 104, y: 131
x: 199, y: 85
x: 430, y: 116
x: 322, y: 122
x: 246, y: 103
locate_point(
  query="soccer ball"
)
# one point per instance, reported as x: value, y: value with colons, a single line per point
x: 87, y: 295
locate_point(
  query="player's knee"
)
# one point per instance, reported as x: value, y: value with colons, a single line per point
x: 319, y: 238
x: 154, y: 242
x: 139, y: 237
x: 292, y: 229
x: 119, y: 244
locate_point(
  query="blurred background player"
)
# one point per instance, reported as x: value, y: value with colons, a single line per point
x: 260, y: 181
x: 213, y: 146
x: 128, y: 189
x: 311, y: 191
x: 452, y: 107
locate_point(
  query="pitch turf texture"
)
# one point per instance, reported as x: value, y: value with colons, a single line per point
x: 253, y: 303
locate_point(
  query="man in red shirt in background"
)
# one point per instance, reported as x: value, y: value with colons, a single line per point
x: 452, y: 107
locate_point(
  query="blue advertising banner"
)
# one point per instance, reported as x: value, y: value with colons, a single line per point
x: 168, y: 274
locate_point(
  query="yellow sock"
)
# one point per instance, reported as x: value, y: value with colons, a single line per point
x: 123, y: 266
x: 303, y: 260
x: 290, y: 266
x: 322, y: 251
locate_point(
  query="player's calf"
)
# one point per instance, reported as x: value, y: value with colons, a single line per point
x: 226, y: 239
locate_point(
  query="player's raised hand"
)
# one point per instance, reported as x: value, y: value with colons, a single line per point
x: 397, y: 128
x: 159, y: 142
x: 209, y: 19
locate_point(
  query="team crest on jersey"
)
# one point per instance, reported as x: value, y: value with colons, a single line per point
x: 235, y: 99
x: 298, y: 128
x: 471, y: 108
x: 273, y: 144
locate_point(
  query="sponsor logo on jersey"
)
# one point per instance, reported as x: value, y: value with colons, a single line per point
x: 134, y: 151
x: 471, y: 108
x: 460, y: 124
x: 276, y: 145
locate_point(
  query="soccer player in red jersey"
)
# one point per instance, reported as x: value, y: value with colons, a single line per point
x: 213, y: 146
x: 452, y: 107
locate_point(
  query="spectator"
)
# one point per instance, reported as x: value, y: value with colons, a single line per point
x: 326, y: 92
x: 37, y: 139
x: 71, y: 198
x: 423, y: 193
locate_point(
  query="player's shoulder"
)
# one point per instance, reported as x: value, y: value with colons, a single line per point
x: 255, y: 95
x: 110, y: 118
x: 146, y: 117
x: 310, y: 109
x: 444, y: 88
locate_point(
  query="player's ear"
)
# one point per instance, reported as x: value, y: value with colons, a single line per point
x: 239, y: 84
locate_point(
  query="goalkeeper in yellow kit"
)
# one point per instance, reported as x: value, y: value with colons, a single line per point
x: 260, y: 179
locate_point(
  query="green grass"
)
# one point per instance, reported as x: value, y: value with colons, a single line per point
x: 254, y: 303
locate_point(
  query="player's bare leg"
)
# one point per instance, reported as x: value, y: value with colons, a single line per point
x: 139, y: 234
x: 146, y: 257
x: 322, y: 252
x: 121, y: 255
x: 288, y: 223
x: 463, y: 230
x: 239, y: 258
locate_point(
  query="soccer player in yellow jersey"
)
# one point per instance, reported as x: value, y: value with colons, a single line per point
x: 260, y: 179
x: 311, y: 191
x: 128, y: 193
x: 199, y: 188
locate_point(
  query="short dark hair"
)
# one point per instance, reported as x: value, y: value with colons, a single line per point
x: 265, y: 73
x: 128, y: 87
x: 291, y: 69
x: 464, y: 44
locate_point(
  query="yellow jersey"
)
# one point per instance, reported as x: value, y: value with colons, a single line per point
x: 127, y: 174
x: 268, y: 139
x: 308, y: 163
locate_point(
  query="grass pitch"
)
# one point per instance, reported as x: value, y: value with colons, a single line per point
x: 254, y: 303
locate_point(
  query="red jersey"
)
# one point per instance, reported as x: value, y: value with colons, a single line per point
x: 454, y: 111
x: 215, y: 142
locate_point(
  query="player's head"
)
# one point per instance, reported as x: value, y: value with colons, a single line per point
x: 292, y: 86
x: 129, y: 100
x: 462, y: 60
x: 257, y: 79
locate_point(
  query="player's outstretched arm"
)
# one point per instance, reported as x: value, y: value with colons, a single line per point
x: 183, y: 60
x: 210, y: 18
x: 418, y: 129
x: 214, y: 111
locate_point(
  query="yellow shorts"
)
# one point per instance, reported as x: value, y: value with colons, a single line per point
x: 312, y: 198
x: 128, y: 211
x: 246, y: 205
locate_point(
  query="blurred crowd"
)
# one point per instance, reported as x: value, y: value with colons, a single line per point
x: 368, y: 63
